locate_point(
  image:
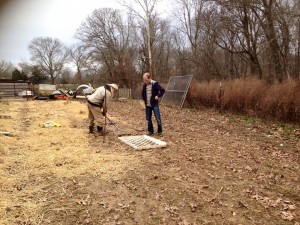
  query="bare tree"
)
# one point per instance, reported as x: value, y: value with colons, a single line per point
x: 180, y: 50
x: 190, y: 19
x: 162, y: 49
x: 79, y: 56
x: 295, y: 40
x: 109, y: 39
x: 145, y: 10
x: 238, y: 32
x: 193, y: 24
x: 258, y: 31
x: 160, y: 46
x: 6, y: 69
x: 272, y: 16
x: 50, y: 54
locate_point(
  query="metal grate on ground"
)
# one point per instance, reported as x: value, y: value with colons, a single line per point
x: 142, y: 142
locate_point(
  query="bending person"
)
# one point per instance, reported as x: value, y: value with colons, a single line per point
x: 97, y: 105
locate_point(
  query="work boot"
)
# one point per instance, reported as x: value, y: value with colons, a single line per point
x: 99, y: 129
x: 91, y: 129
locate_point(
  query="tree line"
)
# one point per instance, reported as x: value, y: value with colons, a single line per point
x: 210, y: 39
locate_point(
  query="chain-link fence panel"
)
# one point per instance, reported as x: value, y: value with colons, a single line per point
x: 176, y: 90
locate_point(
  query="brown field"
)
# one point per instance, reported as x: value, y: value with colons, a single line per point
x: 216, y: 169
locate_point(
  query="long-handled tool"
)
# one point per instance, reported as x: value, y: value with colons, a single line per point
x: 106, y: 118
x: 104, y: 113
x: 113, y: 123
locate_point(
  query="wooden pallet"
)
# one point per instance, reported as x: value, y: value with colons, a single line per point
x: 142, y: 142
x: 5, y: 133
x: 5, y: 116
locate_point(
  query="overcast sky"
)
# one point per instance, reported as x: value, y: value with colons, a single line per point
x: 23, y: 20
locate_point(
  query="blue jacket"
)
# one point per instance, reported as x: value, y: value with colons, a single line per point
x: 157, y: 90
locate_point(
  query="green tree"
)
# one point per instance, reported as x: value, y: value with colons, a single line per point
x: 17, y: 75
x: 37, y: 76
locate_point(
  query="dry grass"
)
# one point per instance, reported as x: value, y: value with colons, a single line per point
x: 203, y: 94
x: 213, y: 171
x: 283, y: 101
x: 250, y: 96
x: 45, y: 154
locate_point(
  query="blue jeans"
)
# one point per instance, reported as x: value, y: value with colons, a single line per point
x: 149, y: 110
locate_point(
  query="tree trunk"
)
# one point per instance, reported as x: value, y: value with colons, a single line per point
x: 276, y: 66
x: 255, y: 66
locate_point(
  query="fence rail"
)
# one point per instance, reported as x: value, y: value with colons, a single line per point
x: 12, y: 89
x: 125, y: 93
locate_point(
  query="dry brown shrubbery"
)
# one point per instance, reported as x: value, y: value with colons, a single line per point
x: 250, y: 96
x: 243, y: 95
x: 203, y: 94
x: 282, y: 101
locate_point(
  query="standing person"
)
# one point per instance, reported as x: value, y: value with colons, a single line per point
x: 97, y: 105
x: 151, y: 92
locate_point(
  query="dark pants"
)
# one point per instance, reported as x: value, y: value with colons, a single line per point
x: 149, y: 110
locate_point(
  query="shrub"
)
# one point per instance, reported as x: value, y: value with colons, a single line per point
x: 280, y: 101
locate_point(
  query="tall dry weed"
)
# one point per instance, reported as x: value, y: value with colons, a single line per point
x: 243, y: 95
x: 280, y: 101
x: 202, y: 94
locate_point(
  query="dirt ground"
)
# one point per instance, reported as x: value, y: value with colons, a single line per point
x: 216, y: 169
